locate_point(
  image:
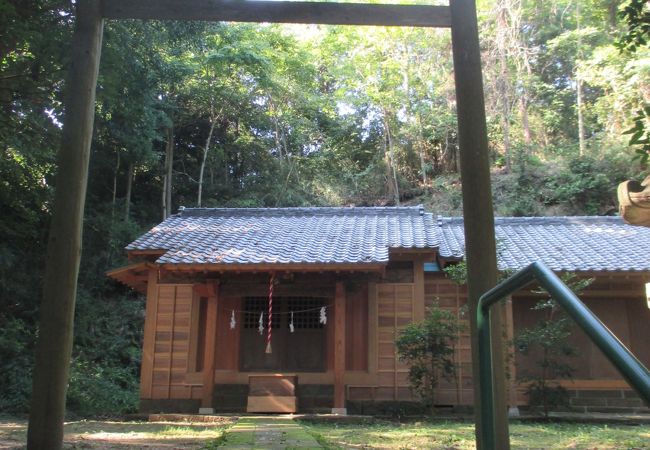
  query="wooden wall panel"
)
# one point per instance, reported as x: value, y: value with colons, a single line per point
x: 171, y: 355
x: 617, y: 321
x: 356, y: 328
x: 638, y: 314
x: 619, y: 302
x: 395, y: 310
x: 452, y: 297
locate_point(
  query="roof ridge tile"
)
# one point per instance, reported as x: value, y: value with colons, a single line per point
x: 303, y: 210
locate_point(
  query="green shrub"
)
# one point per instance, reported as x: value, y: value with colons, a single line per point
x: 428, y: 348
x: 548, y: 342
x: 16, y: 360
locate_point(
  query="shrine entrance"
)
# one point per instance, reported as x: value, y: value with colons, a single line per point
x: 299, y: 335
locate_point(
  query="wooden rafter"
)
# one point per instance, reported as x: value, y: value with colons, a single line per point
x: 133, y: 275
x: 280, y: 12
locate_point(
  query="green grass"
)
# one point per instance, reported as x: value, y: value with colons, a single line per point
x: 454, y: 435
x: 108, y: 435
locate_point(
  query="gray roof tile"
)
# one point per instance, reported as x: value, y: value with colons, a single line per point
x: 365, y: 235
x: 288, y: 235
x: 562, y: 243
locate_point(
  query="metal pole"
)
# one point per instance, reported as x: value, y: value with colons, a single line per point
x: 636, y: 374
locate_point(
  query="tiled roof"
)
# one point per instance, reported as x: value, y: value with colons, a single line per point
x: 365, y: 235
x: 288, y: 235
x: 562, y: 243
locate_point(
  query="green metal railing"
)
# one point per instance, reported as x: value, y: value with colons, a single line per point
x: 636, y: 374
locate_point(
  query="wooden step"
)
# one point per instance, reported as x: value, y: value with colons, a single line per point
x: 272, y: 393
x: 272, y: 404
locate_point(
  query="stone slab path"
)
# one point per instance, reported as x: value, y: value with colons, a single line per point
x: 268, y: 432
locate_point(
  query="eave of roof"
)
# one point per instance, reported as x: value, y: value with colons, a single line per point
x: 134, y: 275
x: 360, y: 267
x: 573, y: 244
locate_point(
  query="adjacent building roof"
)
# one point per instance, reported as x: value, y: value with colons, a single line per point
x: 562, y: 243
x: 289, y: 235
x: 365, y: 236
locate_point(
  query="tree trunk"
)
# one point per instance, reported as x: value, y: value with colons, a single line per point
x: 579, y: 93
x: 213, y: 121
x: 55, y: 333
x: 167, y: 180
x: 503, y: 84
x: 422, y: 150
x: 390, y: 187
x: 477, y: 208
x: 581, y: 121
x: 505, y: 119
x: 393, y: 186
x: 612, y: 13
x: 129, y: 187
x: 114, y: 198
x: 525, y: 124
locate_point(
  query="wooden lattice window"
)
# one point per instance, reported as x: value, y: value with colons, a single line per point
x: 254, y: 306
x: 306, y: 312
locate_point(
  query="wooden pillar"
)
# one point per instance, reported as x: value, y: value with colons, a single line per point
x: 477, y: 202
x: 418, y: 290
x: 513, y: 409
x: 149, y: 338
x: 339, y: 349
x: 372, y: 327
x: 54, y: 345
x: 209, y: 349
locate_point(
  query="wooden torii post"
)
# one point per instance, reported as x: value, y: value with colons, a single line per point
x: 54, y: 345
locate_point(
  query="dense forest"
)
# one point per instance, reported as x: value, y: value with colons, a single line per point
x: 198, y: 114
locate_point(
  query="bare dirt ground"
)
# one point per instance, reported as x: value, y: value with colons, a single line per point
x: 108, y: 435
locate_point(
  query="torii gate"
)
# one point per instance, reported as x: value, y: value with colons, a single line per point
x: 54, y: 346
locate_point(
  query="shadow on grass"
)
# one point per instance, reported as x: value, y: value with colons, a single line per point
x: 105, y: 435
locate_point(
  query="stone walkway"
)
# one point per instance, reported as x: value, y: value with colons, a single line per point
x: 268, y: 432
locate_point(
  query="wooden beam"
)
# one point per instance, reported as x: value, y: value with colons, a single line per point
x: 325, y: 13
x: 148, y: 345
x: 194, y: 332
x: 210, y: 346
x: 54, y: 344
x: 478, y: 213
x: 418, y: 290
x: 339, y: 348
x: 372, y: 328
x: 513, y: 410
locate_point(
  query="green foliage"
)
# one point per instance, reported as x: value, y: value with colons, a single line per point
x: 457, y: 272
x: 428, y: 348
x: 548, y: 342
x: 106, y: 360
x: 582, y: 186
x: 16, y: 356
x: 640, y: 134
x: 636, y: 15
